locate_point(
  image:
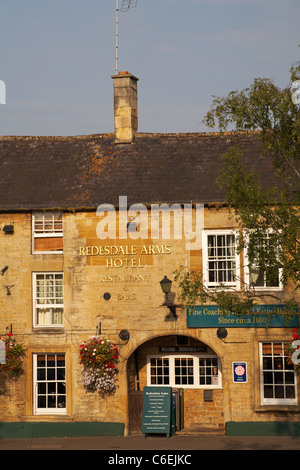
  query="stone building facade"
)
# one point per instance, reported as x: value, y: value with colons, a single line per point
x: 65, y: 283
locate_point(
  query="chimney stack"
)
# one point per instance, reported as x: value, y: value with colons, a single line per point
x: 125, y: 107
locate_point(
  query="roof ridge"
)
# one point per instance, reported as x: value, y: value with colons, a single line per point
x: 138, y: 135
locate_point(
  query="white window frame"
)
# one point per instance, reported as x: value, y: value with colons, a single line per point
x: 247, y: 272
x: 275, y: 401
x: 37, y: 305
x: 46, y: 233
x: 205, y: 260
x: 48, y: 410
x: 196, y: 366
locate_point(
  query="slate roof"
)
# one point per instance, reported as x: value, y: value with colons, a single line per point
x: 81, y: 172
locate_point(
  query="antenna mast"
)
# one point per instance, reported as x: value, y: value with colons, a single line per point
x: 126, y: 4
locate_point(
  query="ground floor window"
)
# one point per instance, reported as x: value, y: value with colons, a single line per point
x: 49, y: 383
x: 184, y: 371
x: 278, y: 378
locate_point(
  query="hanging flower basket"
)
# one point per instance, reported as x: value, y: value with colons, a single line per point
x: 15, y: 352
x: 98, y: 357
x: 293, y: 350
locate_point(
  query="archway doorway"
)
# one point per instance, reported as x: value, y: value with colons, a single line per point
x: 194, y: 372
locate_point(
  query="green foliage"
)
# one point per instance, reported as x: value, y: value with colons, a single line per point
x: 292, y: 350
x: 193, y: 292
x: 15, y: 352
x: 99, y: 357
x: 257, y: 211
x: 268, y: 111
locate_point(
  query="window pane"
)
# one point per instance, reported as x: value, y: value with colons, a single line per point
x: 41, y: 360
x: 50, y: 361
x: 268, y: 377
x: 290, y: 392
x: 61, y: 401
x: 279, y: 392
x: 41, y: 374
x: 41, y: 401
x: 60, y: 374
x: 60, y: 360
x: 272, y: 277
x: 257, y: 277
x: 50, y: 374
x: 51, y: 401
x: 41, y: 388
x: 51, y: 388
x: 289, y: 378
x: 278, y: 363
x: 61, y: 388
x: 278, y: 378
x: 268, y: 391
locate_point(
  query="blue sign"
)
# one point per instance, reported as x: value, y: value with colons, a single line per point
x: 210, y: 316
x: 239, y: 372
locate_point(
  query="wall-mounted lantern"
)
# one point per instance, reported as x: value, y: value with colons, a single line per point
x: 8, y: 229
x: 124, y: 335
x: 166, y: 285
x: 222, y: 333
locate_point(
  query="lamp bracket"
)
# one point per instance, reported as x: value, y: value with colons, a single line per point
x: 124, y: 335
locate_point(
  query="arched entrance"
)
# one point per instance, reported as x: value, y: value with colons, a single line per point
x: 194, y: 372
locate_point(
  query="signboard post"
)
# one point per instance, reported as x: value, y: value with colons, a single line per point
x: 157, y: 410
x: 2, y: 352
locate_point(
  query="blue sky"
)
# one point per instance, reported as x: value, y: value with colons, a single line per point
x: 57, y: 58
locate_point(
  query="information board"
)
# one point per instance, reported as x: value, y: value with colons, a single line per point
x: 157, y: 410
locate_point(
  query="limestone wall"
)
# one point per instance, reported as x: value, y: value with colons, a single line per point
x: 129, y: 271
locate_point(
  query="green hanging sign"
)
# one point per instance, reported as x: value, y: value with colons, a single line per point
x: 210, y: 316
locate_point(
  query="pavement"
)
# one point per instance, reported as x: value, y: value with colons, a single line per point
x: 114, y: 447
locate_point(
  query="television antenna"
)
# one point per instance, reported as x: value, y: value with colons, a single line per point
x: 125, y: 6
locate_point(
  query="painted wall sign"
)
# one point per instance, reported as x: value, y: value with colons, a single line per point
x: 210, y: 316
x: 2, y: 352
x: 157, y: 410
x: 239, y: 372
x: 114, y: 254
x: 182, y: 349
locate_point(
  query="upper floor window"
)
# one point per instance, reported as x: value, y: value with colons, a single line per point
x: 278, y: 378
x: 266, y: 277
x: 48, y: 299
x: 220, y: 259
x: 47, y: 232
